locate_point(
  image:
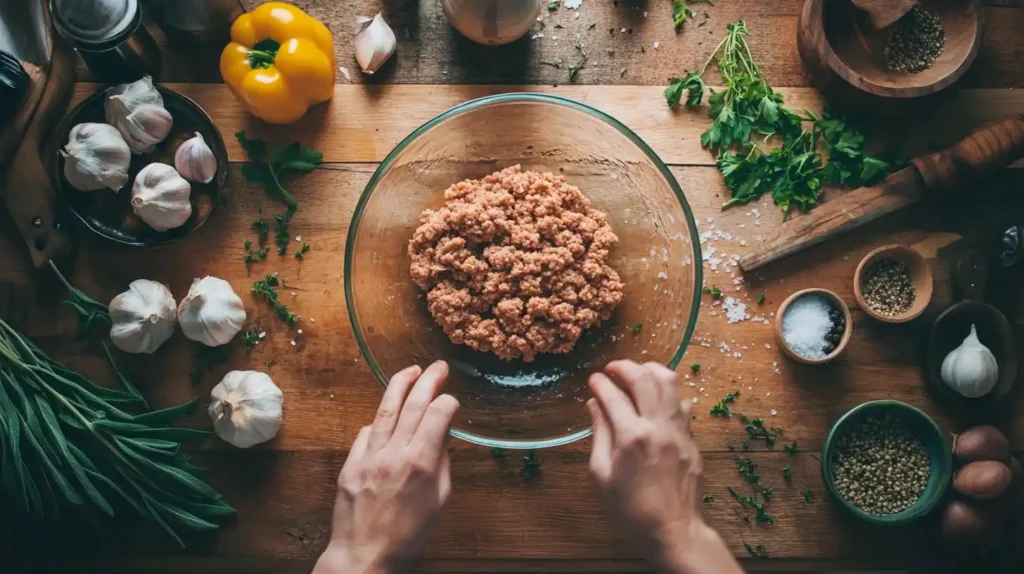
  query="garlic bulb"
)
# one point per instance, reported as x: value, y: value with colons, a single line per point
x: 142, y: 317
x: 211, y: 313
x: 161, y: 197
x: 96, y: 157
x: 375, y: 42
x: 137, y: 111
x: 970, y: 369
x: 195, y: 161
x: 246, y: 408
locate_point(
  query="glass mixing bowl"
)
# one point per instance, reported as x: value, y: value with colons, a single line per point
x: 515, y: 404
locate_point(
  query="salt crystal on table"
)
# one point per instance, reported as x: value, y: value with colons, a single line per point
x: 694, y: 399
x: 774, y: 412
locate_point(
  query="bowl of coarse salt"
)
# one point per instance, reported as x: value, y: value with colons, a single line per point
x: 813, y: 326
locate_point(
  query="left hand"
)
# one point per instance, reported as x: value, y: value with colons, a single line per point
x: 396, y: 480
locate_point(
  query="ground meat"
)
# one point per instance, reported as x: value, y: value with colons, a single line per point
x: 515, y: 264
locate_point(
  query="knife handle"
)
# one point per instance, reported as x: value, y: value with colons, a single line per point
x: 978, y: 156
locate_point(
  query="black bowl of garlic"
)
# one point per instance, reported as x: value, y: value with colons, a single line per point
x: 139, y: 164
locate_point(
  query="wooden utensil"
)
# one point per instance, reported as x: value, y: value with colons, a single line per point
x: 25, y: 185
x: 980, y: 155
x: 846, y: 54
x: 884, y: 12
x: 994, y: 331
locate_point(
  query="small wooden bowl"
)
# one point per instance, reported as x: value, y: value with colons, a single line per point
x: 920, y: 274
x: 838, y: 41
x: 836, y: 302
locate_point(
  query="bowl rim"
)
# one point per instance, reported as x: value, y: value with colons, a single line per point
x: 922, y: 507
x: 471, y: 105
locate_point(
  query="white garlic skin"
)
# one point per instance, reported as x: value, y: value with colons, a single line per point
x: 195, y: 161
x: 211, y: 313
x: 246, y: 408
x: 96, y: 157
x: 375, y: 42
x: 143, y: 317
x: 137, y: 111
x: 970, y: 369
x: 160, y: 197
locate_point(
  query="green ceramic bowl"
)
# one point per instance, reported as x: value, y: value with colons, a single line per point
x: 924, y: 428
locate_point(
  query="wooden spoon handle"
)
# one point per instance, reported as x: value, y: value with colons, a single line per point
x: 980, y: 155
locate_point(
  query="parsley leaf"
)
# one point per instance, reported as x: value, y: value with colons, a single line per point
x: 637, y: 328
x: 680, y: 11
x: 268, y: 162
x: 691, y: 82
x: 531, y: 466
x: 695, y: 367
x: 808, y: 496
x: 787, y: 474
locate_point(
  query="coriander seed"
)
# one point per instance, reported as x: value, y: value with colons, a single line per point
x: 880, y: 466
x: 888, y: 288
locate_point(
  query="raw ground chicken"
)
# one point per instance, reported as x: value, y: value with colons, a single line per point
x: 515, y: 264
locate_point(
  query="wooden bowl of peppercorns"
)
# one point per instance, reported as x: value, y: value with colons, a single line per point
x: 920, y: 54
x: 893, y: 284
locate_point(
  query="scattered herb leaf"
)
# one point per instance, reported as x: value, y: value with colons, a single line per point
x: 787, y: 475
x: 808, y: 496
x: 268, y: 162
x: 497, y: 452
x: 760, y: 299
x: 695, y: 367
x: 758, y: 551
x: 790, y: 448
x: 302, y: 252
x: 708, y: 497
x: 637, y: 328
x: 531, y: 466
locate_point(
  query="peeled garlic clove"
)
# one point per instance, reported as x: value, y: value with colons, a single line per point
x: 137, y: 111
x: 195, y: 161
x: 160, y: 197
x: 142, y: 317
x: 96, y: 156
x: 211, y: 313
x: 375, y: 42
x: 246, y: 408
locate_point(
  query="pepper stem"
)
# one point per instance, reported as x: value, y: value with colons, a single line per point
x: 263, y: 53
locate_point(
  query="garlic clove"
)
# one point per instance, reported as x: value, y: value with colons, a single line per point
x: 211, y: 313
x: 195, y: 161
x: 137, y: 111
x: 246, y: 408
x: 160, y: 197
x: 143, y: 317
x: 971, y: 369
x: 375, y: 42
x: 96, y: 156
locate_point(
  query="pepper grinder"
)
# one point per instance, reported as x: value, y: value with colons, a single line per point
x: 492, y: 22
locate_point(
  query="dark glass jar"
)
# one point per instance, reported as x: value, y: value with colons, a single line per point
x: 13, y: 84
x: 109, y: 36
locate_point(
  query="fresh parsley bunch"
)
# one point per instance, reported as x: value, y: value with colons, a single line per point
x: 795, y: 171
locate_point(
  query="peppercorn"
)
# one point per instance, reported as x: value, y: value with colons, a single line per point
x: 915, y: 41
x: 880, y: 466
x: 888, y: 288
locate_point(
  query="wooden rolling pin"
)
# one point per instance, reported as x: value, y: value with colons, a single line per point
x: 940, y: 174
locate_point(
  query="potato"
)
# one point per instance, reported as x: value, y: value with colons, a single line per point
x: 983, y: 480
x: 966, y: 524
x: 981, y: 443
x: 969, y: 525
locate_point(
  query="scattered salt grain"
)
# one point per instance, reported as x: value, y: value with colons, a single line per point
x: 614, y: 176
x: 774, y: 412
x: 735, y: 310
x: 655, y: 46
x: 293, y: 342
x: 767, y: 346
x: 298, y: 238
x: 694, y: 400
x: 537, y: 35
x: 805, y: 325
x: 299, y: 331
x: 573, y: 4
x: 662, y: 275
x: 344, y: 72
x: 312, y: 320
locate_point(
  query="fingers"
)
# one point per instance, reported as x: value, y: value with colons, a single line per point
x: 359, y: 445
x: 685, y: 418
x: 423, y: 392
x: 390, y: 406
x: 666, y: 379
x: 642, y: 384
x: 616, y: 406
x: 601, y: 449
x: 428, y: 441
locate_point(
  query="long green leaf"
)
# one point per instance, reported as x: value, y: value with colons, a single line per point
x: 167, y: 433
x: 51, y: 425
x: 155, y: 516
x: 14, y: 469
x: 171, y: 475
x: 125, y: 381
x: 168, y: 415
x: 186, y: 518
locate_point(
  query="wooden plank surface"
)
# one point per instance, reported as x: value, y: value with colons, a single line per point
x: 364, y: 123
x: 497, y: 522
x: 431, y: 52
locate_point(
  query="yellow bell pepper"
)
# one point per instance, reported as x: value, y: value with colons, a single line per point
x: 280, y: 61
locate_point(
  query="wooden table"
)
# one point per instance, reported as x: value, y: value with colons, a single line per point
x: 497, y: 522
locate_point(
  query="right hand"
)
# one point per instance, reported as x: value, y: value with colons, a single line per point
x: 648, y: 470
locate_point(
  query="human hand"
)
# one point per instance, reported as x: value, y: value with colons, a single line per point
x: 649, y: 472
x: 396, y: 479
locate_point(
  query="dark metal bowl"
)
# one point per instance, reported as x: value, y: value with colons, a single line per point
x: 110, y: 215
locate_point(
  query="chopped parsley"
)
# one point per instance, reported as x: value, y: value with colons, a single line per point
x: 302, y: 252
x: 787, y: 475
x: 790, y: 448
x: 637, y: 328
x: 758, y: 551
x: 713, y: 291
x: 808, y: 496
x: 760, y: 299
x: 721, y: 409
x: 267, y: 287
x: 531, y: 466
x: 262, y: 230
x: 247, y: 245
x: 708, y: 497
x: 552, y: 6
x: 695, y: 367
x: 250, y: 339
